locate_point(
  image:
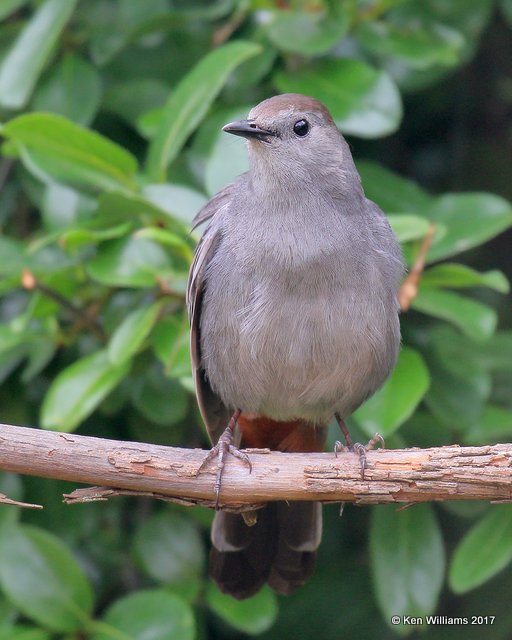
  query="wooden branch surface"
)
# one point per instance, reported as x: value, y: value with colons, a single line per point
x: 404, y: 475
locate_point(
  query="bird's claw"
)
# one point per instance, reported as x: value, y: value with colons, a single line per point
x: 220, y: 451
x: 360, y: 449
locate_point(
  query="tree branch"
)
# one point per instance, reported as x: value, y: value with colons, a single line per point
x: 391, y: 476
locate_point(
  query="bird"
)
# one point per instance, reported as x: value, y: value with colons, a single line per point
x: 293, y: 305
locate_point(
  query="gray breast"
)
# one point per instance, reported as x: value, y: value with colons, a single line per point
x: 297, y: 334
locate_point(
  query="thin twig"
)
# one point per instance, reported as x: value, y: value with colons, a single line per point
x: 409, y: 288
x: 25, y: 505
x: 29, y: 281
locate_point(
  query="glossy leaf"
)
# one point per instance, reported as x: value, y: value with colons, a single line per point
x: 166, y: 239
x: 506, y: 7
x: 78, y: 390
x: 476, y: 320
x: 63, y: 206
x: 419, y: 44
x: 74, y: 238
x: 9, y: 6
x: 148, y: 615
x: 132, y: 332
x: 171, y: 343
x: 73, y: 90
x: 129, y: 262
x: 189, y: 103
x: 41, y: 577
x: 179, y: 201
x: 408, y: 227
x: 227, y: 157
x: 65, y: 151
x: 484, y: 551
x: 25, y: 61
x: 160, y: 399
x: 252, y: 616
x: 391, y: 191
x: 23, y: 632
x: 149, y: 93
x: 385, y: 411
x: 495, y: 424
x: 407, y: 557
x: 460, y: 276
x: 12, y: 256
x: 363, y: 101
x: 117, y: 205
x: 169, y: 548
x: 460, y: 385
x: 319, y: 30
x: 470, y: 218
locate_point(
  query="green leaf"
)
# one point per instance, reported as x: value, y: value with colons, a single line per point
x: 506, y: 8
x: 476, y: 320
x: 64, y: 207
x: 470, y: 219
x: 362, y: 100
x: 65, y: 151
x: 190, y: 102
x: 136, y: 96
x: 460, y: 384
x: 117, y: 205
x: 132, y: 332
x: 227, y: 157
x: 169, y: 547
x: 25, y: 61
x: 495, y: 424
x: 252, y: 616
x: 176, y: 200
x: 160, y: 399
x: 129, y: 262
x: 420, y: 44
x: 407, y: 556
x: 148, y: 615
x: 167, y: 239
x: 9, y: 6
x: 22, y: 632
x: 42, y: 350
x: 72, y: 239
x: 484, y: 551
x: 12, y: 256
x: 73, y: 90
x: 460, y: 276
x: 391, y: 191
x: 396, y: 401
x: 41, y: 577
x: 408, y: 227
x: 319, y: 30
x: 171, y: 344
x: 78, y: 390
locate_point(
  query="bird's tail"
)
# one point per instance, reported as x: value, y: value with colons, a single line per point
x: 279, y: 549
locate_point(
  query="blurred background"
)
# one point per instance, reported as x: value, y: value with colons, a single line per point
x: 111, y: 113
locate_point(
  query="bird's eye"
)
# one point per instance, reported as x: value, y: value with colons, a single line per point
x: 301, y: 127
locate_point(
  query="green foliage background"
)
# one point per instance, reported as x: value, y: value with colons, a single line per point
x: 111, y: 113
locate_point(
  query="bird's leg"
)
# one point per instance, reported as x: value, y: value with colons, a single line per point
x: 220, y: 450
x: 357, y: 447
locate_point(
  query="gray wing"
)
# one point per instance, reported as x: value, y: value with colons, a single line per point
x: 214, y: 412
x: 218, y: 201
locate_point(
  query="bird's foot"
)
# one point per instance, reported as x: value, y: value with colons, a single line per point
x: 220, y: 451
x: 356, y: 447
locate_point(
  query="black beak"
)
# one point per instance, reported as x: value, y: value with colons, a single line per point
x: 247, y: 129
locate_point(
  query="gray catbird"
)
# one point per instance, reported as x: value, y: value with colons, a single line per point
x: 293, y: 305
